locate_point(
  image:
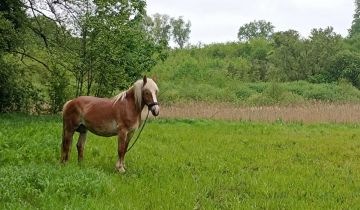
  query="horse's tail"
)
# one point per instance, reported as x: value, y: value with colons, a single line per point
x: 64, y: 140
x: 63, y: 113
x: 65, y: 106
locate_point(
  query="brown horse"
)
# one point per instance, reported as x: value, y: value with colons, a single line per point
x: 119, y: 116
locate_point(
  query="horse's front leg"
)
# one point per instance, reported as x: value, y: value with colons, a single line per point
x: 128, y: 139
x: 122, y: 139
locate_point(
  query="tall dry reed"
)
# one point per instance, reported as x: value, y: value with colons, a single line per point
x: 308, y: 113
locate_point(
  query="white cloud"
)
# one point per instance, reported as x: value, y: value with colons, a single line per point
x: 219, y: 21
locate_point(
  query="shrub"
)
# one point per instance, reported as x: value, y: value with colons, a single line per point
x: 275, y: 93
x: 239, y: 69
x: 58, y: 90
x: 321, y: 92
x: 244, y: 92
x: 16, y: 91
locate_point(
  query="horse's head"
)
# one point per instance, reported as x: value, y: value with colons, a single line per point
x: 149, y: 93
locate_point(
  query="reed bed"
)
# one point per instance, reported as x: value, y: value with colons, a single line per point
x: 307, y: 113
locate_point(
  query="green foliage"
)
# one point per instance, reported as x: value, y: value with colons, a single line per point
x: 353, y: 43
x: 13, y: 11
x: 121, y: 47
x: 323, y: 45
x: 345, y: 65
x: 16, y: 91
x: 275, y: 94
x: 91, y: 47
x: 180, y: 31
x: 255, y: 30
x: 287, y: 58
x: 239, y: 68
x: 199, y: 74
x: 12, y: 18
x: 9, y: 37
x: 341, y: 92
x: 58, y: 90
x: 257, y: 51
x: 181, y: 164
x: 159, y: 27
x: 355, y: 27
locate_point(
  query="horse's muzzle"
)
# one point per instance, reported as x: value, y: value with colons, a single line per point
x: 155, y: 110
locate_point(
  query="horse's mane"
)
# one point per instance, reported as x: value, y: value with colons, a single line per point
x: 137, y: 94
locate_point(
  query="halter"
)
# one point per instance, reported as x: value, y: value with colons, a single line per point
x: 152, y: 104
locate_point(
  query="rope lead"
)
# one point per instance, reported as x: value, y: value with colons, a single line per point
x: 143, y: 125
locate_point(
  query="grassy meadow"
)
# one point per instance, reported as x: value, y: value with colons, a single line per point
x: 183, y: 164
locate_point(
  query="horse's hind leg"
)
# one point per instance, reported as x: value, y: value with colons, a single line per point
x: 80, y: 145
x: 66, y: 145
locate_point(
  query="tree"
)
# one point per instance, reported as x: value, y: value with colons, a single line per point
x: 323, y: 44
x: 255, y: 29
x: 122, y: 47
x: 12, y: 17
x: 180, y: 31
x: 258, y: 56
x: 345, y: 65
x: 288, y: 57
x: 353, y: 43
x: 159, y: 27
x: 355, y: 27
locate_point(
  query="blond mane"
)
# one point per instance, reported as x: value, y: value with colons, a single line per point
x: 137, y: 88
x: 118, y: 97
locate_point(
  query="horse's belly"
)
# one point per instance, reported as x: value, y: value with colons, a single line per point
x: 104, y: 129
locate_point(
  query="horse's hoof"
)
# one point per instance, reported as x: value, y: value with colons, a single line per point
x: 121, y: 170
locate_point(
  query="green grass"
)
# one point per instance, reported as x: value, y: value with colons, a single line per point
x: 183, y: 164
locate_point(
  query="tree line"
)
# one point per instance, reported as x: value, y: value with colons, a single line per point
x: 323, y: 57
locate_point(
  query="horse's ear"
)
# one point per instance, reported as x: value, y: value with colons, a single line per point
x: 154, y: 78
x: 144, y: 80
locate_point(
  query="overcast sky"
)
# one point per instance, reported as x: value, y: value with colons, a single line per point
x: 219, y: 21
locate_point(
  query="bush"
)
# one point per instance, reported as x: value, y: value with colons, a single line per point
x: 345, y: 65
x: 239, y: 69
x: 260, y: 100
x: 275, y: 93
x: 16, y: 91
x: 321, y: 93
x: 244, y: 92
x: 347, y: 91
x: 58, y: 90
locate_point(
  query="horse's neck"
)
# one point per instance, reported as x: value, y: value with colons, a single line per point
x: 130, y: 96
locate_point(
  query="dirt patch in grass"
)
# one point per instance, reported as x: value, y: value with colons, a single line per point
x: 309, y: 113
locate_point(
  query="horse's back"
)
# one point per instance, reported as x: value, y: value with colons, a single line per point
x: 81, y: 102
x: 75, y: 107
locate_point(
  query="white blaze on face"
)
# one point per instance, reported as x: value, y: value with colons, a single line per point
x: 153, y: 89
x: 155, y: 108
